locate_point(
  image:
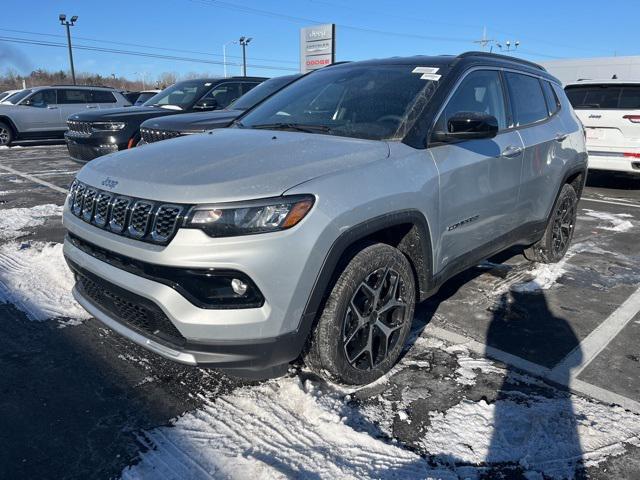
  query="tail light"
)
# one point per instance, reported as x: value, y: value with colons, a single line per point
x: 632, y: 154
x: 633, y: 118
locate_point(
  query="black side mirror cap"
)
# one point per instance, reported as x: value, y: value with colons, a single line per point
x: 468, y: 126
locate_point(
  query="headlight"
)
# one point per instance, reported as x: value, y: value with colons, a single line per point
x: 268, y: 215
x: 108, y: 126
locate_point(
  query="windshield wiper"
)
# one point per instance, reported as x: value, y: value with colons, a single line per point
x: 293, y: 126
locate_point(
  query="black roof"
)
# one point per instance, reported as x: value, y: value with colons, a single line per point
x: 466, y: 58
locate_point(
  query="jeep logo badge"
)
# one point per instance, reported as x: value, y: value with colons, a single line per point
x: 109, y: 183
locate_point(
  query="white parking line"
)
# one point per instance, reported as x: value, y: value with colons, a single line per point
x: 632, y: 205
x: 589, y: 348
x: 33, y: 179
x: 532, y: 368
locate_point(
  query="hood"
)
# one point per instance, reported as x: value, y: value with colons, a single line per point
x: 228, y: 164
x: 193, y: 122
x: 131, y: 114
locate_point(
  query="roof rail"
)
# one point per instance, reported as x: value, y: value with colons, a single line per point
x: 71, y: 85
x: 502, y: 57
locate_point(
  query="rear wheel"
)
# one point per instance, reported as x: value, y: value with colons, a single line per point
x: 559, y: 232
x: 367, y: 317
x: 6, y: 134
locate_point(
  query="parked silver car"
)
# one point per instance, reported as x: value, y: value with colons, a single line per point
x: 42, y: 112
x: 313, y: 227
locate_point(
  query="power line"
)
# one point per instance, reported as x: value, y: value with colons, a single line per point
x: 295, y: 19
x: 146, y: 46
x: 27, y: 41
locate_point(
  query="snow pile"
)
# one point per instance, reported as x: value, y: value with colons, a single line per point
x: 14, y: 220
x: 544, y: 276
x: 35, y: 278
x: 469, y: 367
x: 616, y: 222
x: 278, y: 430
x: 548, y: 435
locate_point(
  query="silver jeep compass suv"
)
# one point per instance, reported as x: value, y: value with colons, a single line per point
x: 312, y: 227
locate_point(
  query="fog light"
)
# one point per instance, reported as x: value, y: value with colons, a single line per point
x: 238, y: 286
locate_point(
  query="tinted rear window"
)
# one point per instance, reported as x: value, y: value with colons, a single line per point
x: 527, y: 100
x: 604, y: 97
x: 102, y: 96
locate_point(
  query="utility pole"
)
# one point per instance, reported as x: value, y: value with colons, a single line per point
x: 484, y: 41
x: 63, y: 21
x: 224, y: 55
x: 244, y: 41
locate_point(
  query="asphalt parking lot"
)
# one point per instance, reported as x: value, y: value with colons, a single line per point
x: 515, y: 370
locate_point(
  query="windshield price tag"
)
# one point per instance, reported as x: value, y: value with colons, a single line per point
x: 427, y: 70
x: 430, y: 76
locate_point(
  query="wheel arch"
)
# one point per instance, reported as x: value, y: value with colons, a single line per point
x: 407, y: 230
x: 12, y: 126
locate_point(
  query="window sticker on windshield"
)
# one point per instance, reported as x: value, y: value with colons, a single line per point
x: 430, y: 76
x: 425, y: 70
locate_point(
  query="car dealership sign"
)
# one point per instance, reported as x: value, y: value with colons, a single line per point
x: 317, y: 46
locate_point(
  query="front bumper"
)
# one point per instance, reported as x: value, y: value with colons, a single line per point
x: 86, y: 149
x: 250, y: 339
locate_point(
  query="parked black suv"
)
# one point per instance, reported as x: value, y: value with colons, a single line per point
x: 93, y: 134
x: 157, y: 129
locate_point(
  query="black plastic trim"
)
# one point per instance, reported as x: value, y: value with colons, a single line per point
x: 167, y: 275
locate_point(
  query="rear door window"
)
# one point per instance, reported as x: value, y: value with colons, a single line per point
x: 72, y: 96
x: 102, y: 96
x: 527, y: 100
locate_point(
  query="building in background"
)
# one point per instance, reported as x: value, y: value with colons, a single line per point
x: 601, y: 68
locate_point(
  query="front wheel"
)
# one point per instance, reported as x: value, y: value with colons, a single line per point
x: 559, y: 232
x: 6, y: 134
x: 366, y: 319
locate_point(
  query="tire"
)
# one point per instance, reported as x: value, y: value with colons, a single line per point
x: 362, y: 315
x: 6, y: 134
x: 552, y: 247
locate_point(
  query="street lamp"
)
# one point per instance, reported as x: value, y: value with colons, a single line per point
x: 63, y: 21
x: 244, y: 41
x: 224, y: 55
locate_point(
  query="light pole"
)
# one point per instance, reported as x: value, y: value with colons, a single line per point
x: 508, y: 44
x: 224, y: 55
x: 244, y: 41
x: 63, y: 21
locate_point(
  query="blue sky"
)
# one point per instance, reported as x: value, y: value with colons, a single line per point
x: 365, y: 29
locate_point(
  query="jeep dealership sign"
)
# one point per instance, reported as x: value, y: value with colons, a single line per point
x: 317, y: 47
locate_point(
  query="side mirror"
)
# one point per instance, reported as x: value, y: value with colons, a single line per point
x: 467, y: 126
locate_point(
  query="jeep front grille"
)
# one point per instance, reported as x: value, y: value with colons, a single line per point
x: 145, y: 220
x: 83, y: 128
x: 149, y: 135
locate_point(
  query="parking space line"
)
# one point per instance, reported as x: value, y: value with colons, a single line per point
x: 589, y: 348
x: 33, y: 179
x: 632, y: 205
x: 569, y: 381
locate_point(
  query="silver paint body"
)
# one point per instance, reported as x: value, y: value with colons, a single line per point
x: 353, y: 181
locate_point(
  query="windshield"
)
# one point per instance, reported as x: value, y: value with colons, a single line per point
x: 262, y: 91
x: 16, y: 97
x: 144, y: 96
x: 181, y: 95
x: 365, y: 101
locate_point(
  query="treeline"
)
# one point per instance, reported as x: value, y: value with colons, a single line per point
x: 11, y: 80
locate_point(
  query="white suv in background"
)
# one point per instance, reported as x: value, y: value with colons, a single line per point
x: 610, y: 113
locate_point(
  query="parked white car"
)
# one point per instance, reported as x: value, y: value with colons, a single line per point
x: 6, y: 94
x: 610, y: 113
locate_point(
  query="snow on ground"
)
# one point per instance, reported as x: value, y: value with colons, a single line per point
x: 14, y: 220
x: 615, y: 222
x: 294, y: 428
x: 281, y: 429
x: 35, y: 278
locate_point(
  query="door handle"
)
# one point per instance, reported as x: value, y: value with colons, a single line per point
x: 511, y: 151
x: 561, y: 137
x: 92, y: 106
x: 51, y: 108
